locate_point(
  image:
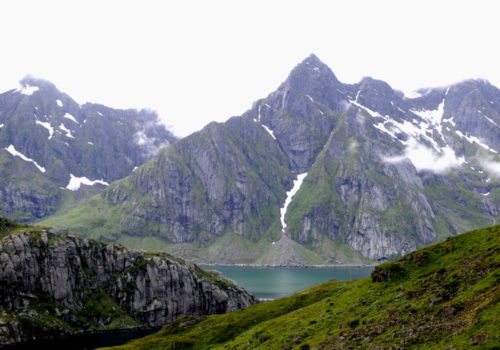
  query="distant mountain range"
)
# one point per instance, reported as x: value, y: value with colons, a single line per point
x: 373, y: 173
x: 54, y: 151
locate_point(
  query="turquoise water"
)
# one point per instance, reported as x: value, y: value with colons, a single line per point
x: 278, y: 282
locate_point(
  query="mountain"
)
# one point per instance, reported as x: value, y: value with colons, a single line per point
x: 317, y: 172
x: 54, y: 284
x: 441, y: 297
x: 50, y: 147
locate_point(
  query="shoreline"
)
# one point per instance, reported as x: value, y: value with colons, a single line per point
x: 287, y: 266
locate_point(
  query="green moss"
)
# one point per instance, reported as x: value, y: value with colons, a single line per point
x: 213, y: 276
x: 334, y: 252
x: 8, y: 227
x: 99, y: 305
x: 460, y: 209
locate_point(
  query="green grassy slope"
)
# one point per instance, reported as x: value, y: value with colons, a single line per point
x: 8, y: 227
x: 441, y: 297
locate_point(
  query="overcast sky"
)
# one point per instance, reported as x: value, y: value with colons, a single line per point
x: 198, y: 61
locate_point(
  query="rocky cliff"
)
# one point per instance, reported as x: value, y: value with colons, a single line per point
x: 317, y: 172
x: 53, y: 283
x: 54, y: 151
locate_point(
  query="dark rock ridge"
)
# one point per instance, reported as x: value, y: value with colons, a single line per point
x: 53, y: 283
x: 386, y: 173
x: 66, y: 140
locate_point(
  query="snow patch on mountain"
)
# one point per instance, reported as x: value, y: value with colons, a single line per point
x: 59, y: 103
x: 433, y: 117
x: 12, y: 150
x: 47, y: 126
x: 70, y: 117
x: 1, y: 125
x: 297, y: 183
x: 270, y: 132
x: 75, y: 182
x: 419, y: 131
x: 410, y: 94
x: 66, y: 131
x: 257, y: 120
x: 382, y: 127
x: 450, y: 120
x: 486, y: 117
x: 368, y: 110
x: 473, y: 139
x: 419, y: 135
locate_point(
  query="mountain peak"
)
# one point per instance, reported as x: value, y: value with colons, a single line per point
x: 475, y: 84
x: 312, y: 72
x: 312, y: 59
x: 369, y: 83
x: 313, y: 63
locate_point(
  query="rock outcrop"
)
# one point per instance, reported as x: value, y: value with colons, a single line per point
x: 53, y: 283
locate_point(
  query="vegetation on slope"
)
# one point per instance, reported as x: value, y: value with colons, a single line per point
x: 8, y: 227
x: 441, y: 297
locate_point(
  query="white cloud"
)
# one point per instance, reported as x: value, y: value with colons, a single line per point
x: 491, y: 166
x: 151, y: 145
x: 424, y: 158
x: 28, y: 90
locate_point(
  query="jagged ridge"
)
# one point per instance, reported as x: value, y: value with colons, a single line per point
x: 385, y: 175
x: 51, y: 146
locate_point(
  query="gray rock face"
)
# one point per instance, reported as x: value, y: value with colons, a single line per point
x: 385, y: 173
x: 301, y: 112
x: 213, y: 180
x: 65, y: 138
x: 473, y: 105
x: 49, y: 272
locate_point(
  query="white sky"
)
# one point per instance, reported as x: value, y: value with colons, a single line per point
x: 198, y: 61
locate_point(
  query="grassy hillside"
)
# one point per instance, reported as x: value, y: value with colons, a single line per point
x: 8, y: 227
x: 441, y: 297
